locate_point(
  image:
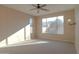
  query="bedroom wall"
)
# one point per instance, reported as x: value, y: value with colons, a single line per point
x: 34, y: 29
x: 11, y: 21
x: 77, y: 28
x: 69, y: 31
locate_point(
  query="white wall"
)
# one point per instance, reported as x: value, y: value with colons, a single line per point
x: 77, y: 28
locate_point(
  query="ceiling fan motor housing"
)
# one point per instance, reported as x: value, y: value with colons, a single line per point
x: 38, y: 5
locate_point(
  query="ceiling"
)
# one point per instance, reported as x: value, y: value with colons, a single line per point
x: 52, y: 7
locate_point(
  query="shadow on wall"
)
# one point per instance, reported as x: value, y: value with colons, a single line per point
x: 21, y: 35
x: 13, y: 25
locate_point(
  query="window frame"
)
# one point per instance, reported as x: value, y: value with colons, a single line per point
x: 56, y: 19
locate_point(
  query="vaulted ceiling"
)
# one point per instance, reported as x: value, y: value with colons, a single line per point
x: 52, y: 7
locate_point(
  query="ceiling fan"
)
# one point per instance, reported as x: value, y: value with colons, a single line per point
x: 39, y: 7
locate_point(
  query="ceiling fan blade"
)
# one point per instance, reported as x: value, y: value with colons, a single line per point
x: 33, y: 9
x: 44, y: 9
x: 43, y: 5
x: 34, y: 5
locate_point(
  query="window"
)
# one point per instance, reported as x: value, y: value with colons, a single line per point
x: 53, y: 25
x: 31, y: 29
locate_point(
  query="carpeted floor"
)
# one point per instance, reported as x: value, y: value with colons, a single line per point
x: 39, y: 47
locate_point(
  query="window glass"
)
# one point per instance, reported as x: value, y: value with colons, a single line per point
x: 44, y: 25
x: 53, y: 25
x: 31, y: 26
x: 51, y: 28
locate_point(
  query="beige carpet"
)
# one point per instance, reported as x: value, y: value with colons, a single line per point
x: 39, y: 47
